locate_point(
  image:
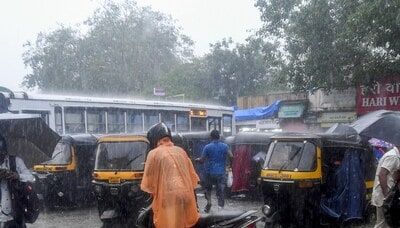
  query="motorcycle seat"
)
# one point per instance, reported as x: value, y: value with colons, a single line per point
x: 212, y: 218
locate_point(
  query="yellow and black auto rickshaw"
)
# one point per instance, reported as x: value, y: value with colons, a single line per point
x: 117, y: 175
x: 65, y: 180
x: 308, y: 180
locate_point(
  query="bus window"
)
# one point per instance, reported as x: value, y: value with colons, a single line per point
x: 227, y: 125
x: 135, y: 122
x: 96, y: 121
x: 74, y: 120
x: 199, y: 124
x: 150, y: 118
x: 116, y: 121
x: 214, y: 123
x: 182, y: 122
x: 58, y: 120
x: 169, y: 119
x: 43, y: 114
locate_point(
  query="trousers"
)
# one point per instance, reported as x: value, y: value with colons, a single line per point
x: 219, y: 182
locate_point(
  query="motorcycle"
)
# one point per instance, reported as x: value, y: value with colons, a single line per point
x: 224, y: 219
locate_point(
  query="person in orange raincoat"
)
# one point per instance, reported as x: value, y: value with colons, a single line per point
x: 170, y: 178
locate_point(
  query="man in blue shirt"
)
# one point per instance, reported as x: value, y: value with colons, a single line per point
x: 215, y: 155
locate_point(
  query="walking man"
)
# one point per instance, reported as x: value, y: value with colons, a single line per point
x: 385, y: 178
x: 215, y: 155
x: 170, y: 178
x: 9, y: 216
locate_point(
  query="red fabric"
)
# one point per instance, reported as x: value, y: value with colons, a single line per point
x: 241, y: 168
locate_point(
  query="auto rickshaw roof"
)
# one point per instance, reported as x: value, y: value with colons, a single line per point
x: 80, y: 139
x: 326, y: 139
x: 230, y: 140
x: 122, y: 138
x: 262, y: 138
x: 195, y: 135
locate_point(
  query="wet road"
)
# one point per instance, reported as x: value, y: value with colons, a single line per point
x: 88, y: 217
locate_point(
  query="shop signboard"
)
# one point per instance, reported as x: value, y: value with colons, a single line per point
x: 384, y: 94
x: 337, y: 117
x: 267, y: 124
x: 291, y: 111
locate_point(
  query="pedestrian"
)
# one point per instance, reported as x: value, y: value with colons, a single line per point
x: 170, y: 178
x: 386, y: 174
x: 215, y: 156
x: 9, y: 216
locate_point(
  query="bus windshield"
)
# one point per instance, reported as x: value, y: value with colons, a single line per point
x: 121, y: 156
x: 61, y: 154
x: 293, y: 156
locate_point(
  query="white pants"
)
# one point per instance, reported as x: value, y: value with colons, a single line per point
x: 380, y: 219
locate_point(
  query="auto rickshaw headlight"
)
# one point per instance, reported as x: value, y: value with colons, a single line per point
x: 266, y: 209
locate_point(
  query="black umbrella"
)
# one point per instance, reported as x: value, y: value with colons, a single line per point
x: 382, y: 124
x: 28, y: 136
x: 344, y: 130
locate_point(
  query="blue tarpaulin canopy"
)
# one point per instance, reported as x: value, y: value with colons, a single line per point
x: 257, y: 113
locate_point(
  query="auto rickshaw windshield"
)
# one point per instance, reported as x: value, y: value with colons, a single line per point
x: 61, y: 154
x: 293, y: 156
x: 121, y: 156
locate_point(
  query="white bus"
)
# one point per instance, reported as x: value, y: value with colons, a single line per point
x: 77, y: 114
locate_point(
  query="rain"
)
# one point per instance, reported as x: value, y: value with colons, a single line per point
x: 183, y: 113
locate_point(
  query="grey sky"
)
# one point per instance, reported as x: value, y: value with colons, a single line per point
x: 205, y: 21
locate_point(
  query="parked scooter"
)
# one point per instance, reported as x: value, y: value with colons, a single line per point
x: 224, y: 219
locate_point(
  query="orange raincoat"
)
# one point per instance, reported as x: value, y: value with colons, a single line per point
x: 170, y: 177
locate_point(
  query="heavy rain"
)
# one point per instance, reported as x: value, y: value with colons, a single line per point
x: 205, y: 114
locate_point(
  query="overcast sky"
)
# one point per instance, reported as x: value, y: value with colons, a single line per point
x: 205, y: 21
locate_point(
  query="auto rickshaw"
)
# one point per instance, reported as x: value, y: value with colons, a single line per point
x: 313, y: 179
x: 249, y: 150
x: 117, y: 175
x: 65, y: 180
x: 193, y: 143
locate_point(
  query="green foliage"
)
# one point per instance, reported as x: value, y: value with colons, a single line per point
x: 330, y: 44
x: 53, y: 61
x: 126, y: 50
x: 228, y: 71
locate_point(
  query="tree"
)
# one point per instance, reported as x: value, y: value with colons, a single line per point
x: 127, y: 50
x: 229, y: 70
x: 53, y: 62
x: 330, y: 44
x: 190, y: 79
